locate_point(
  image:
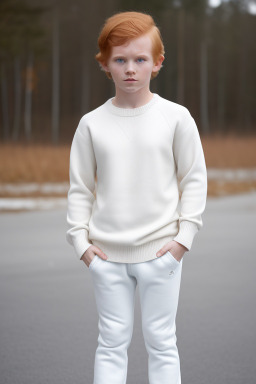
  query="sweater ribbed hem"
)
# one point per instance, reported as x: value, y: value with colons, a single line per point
x: 132, y: 254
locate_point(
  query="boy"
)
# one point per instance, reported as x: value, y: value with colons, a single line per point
x: 144, y: 150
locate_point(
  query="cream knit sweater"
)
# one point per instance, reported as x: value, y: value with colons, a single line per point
x: 142, y: 157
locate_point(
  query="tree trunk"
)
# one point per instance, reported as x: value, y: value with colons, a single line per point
x: 55, y: 76
x: 204, y: 87
x: 4, y: 102
x: 17, y: 99
x: 28, y: 96
x: 242, y: 104
x: 85, y: 91
x: 221, y: 89
x: 181, y: 63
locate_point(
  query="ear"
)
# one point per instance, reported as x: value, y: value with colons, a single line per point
x: 158, y: 64
x: 104, y: 66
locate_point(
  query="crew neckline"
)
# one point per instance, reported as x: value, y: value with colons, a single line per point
x: 131, y: 111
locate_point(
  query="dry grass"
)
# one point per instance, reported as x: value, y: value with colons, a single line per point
x: 37, y: 163
x: 46, y: 163
x: 230, y: 152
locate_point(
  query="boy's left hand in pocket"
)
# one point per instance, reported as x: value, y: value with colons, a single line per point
x: 176, y: 249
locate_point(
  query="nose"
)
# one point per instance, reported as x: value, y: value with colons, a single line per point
x: 130, y: 68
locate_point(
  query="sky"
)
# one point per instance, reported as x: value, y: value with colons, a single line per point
x: 251, y: 5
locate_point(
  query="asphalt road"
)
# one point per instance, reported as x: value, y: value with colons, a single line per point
x: 48, y: 318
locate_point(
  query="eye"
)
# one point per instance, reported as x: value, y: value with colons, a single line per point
x: 141, y: 58
x: 119, y: 60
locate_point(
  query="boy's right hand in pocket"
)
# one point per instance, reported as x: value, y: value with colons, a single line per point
x: 90, y: 254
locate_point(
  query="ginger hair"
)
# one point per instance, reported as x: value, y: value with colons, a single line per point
x: 124, y: 26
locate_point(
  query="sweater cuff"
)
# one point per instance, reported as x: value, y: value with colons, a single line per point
x: 186, y: 233
x: 81, y: 245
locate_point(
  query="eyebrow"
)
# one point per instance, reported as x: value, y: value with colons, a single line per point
x: 141, y: 54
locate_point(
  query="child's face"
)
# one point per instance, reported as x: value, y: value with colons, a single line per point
x: 132, y: 60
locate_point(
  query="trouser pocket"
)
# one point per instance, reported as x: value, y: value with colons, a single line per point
x: 94, y: 262
x: 172, y: 263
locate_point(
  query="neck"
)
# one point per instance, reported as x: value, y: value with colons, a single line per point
x: 132, y: 100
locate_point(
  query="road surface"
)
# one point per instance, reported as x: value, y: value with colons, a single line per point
x: 48, y: 318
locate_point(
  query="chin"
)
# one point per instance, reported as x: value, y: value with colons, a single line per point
x: 129, y: 90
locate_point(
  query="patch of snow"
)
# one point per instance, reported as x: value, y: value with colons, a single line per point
x: 19, y: 203
x: 240, y: 174
x: 44, y: 188
x: 31, y: 204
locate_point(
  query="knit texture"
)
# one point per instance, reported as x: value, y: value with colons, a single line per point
x: 137, y: 180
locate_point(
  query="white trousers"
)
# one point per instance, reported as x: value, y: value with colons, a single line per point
x: 114, y: 287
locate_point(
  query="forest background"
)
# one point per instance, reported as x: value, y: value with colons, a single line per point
x: 50, y: 78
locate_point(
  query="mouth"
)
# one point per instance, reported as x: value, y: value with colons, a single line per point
x: 130, y: 79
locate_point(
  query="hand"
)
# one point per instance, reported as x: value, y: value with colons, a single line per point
x: 90, y: 254
x: 176, y: 249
